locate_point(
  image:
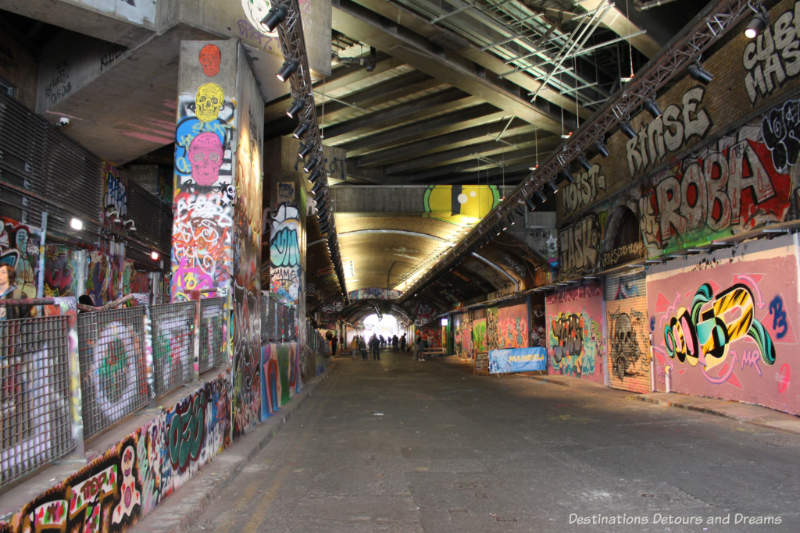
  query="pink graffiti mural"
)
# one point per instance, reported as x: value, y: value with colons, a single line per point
x: 574, y: 335
x: 728, y: 331
x: 205, y: 154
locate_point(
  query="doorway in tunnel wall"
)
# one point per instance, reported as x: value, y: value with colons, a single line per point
x: 628, y: 345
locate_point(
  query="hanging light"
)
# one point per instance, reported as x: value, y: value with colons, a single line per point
x: 295, y: 107
x: 300, y: 130
x: 626, y: 128
x: 530, y: 204
x: 757, y: 24
x: 274, y: 17
x: 601, y: 147
x: 565, y: 173
x: 154, y: 255
x: 541, y: 197
x: 699, y: 73
x: 584, y: 163
x: 76, y: 224
x: 652, y: 106
x: 553, y: 186
x: 305, y: 149
x: 288, y: 68
x: 314, y: 176
x: 311, y: 163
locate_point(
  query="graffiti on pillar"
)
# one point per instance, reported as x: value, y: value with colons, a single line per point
x: 210, y: 58
x: 284, y: 252
x: 668, y: 133
x: 729, y: 187
x: 580, y: 245
x: 771, y: 59
x: 246, y: 394
x: 202, y: 236
x: 492, y: 342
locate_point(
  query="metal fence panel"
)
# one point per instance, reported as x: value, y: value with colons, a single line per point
x: 113, y: 367
x: 35, y: 426
x: 212, y: 340
x: 173, y: 326
x: 265, y: 316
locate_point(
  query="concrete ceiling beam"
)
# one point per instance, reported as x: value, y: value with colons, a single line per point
x: 407, y: 113
x: 393, y: 38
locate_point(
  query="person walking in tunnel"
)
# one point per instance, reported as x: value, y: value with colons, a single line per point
x: 403, y: 343
x: 375, y: 347
x: 354, y: 346
x: 334, y: 342
x: 362, y: 345
x: 395, y: 342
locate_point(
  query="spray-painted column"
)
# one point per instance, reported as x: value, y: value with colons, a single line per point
x: 216, y: 233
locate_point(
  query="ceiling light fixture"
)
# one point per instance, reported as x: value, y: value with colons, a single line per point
x: 652, y: 107
x: 626, y: 128
x: 300, y: 130
x: 274, y: 17
x: 288, y: 68
x: 296, y: 106
x: 699, y: 73
x: 758, y: 23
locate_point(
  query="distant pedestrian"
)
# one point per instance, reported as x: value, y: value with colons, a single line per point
x: 334, y: 342
x: 403, y: 343
x: 375, y: 347
x: 395, y: 342
x: 362, y: 345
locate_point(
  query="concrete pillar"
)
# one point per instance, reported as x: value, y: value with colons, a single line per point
x: 217, y: 206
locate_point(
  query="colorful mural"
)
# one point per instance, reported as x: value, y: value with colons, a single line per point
x: 628, y: 349
x: 512, y: 326
x: 280, y: 371
x: 113, y: 491
x: 736, y: 184
x: 432, y: 335
x: 204, y: 191
x: 463, y: 335
x: 460, y: 203
x: 574, y: 332
x: 726, y: 327
x: 479, y: 335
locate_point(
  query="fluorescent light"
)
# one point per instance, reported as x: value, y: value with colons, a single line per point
x: 76, y: 224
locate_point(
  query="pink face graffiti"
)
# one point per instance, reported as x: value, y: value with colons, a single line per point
x: 205, y: 154
x: 210, y: 58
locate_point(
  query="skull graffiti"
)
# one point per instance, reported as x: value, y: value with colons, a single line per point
x: 208, y: 101
x: 624, y: 346
x: 205, y: 154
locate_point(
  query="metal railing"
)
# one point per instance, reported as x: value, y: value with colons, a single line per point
x: 113, y: 369
x: 173, y: 345
x: 35, y: 426
x: 212, y: 333
x: 66, y: 378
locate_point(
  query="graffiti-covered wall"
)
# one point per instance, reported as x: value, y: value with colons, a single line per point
x: 725, y: 326
x: 512, y: 326
x: 113, y: 491
x: 462, y: 335
x: 280, y: 376
x: 574, y: 332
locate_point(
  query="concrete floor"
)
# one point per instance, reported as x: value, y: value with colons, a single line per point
x: 403, y: 446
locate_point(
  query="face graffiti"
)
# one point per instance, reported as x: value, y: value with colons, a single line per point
x: 210, y: 57
x: 205, y: 154
x: 209, y: 100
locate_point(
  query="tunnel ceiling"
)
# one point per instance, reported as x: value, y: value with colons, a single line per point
x: 447, y: 93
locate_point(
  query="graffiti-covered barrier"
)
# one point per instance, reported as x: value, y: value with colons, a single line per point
x: 724, y: 325
x: 113, y: 491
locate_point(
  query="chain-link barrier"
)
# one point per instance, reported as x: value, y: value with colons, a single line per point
x: 173, y: 345
x: 212, y: 338
x: 35, y: 426
x: 113, y: 370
